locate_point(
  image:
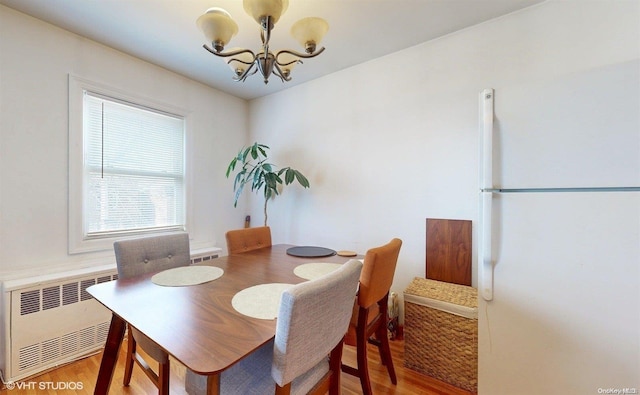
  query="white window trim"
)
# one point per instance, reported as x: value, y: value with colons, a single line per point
x: 77, y: 242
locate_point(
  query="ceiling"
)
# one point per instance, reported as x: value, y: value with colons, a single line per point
x: 164, y: 32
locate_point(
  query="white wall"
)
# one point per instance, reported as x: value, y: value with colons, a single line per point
x: 34, y: 66
x: 394, y: 141
x: 391, y: 142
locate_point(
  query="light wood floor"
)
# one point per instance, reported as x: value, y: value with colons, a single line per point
x: 82, y: 374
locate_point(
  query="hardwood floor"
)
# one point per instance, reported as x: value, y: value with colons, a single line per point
x: 81, y: 375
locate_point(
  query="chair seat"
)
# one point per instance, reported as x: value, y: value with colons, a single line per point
x: 148, y: 346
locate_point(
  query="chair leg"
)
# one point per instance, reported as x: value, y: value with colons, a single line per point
x: 363, y: 369
x: 383, y: 339
x: 385, y: 352
x: 163, y: 378
x: 361, y: 352
x: 131, y: 352
x: 335, y: 362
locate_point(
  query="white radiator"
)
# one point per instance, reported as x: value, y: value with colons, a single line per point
x: 51, y: 320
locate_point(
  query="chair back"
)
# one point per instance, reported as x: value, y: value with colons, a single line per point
x: 151, y: 254
x: 248, y: 239
x: 377, y: 272
x: 312, y: 320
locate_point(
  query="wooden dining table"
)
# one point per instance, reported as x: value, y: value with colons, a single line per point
x: 197, y: 324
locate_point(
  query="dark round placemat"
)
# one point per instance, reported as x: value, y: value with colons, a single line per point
x: 310, y: 251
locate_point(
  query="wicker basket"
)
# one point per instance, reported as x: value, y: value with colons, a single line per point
x: 441, y: 331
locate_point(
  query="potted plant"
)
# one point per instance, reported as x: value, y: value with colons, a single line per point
x: 260, y: 174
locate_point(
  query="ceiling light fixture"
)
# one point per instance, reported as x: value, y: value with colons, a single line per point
x: 218, y: 27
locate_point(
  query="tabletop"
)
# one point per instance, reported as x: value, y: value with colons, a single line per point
x: 197, y: 324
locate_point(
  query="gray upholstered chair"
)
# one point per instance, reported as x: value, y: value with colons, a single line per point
x: 145, y: 255
x: 248, y: 239
x: 304, y: 357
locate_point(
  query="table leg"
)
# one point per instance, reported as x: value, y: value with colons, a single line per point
x: 213, y: 384
x: 110, y: 355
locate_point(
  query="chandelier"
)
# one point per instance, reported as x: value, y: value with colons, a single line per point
x: 218, y: 27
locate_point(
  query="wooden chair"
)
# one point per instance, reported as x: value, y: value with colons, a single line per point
x: 140, y: 256
x: 312, y: 320
x: 370, y: 314
x: 248, y: 239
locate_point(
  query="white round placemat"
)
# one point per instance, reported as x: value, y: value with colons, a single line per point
x: 260, y: 301
x: 186, y: 275
x: 313, y: 270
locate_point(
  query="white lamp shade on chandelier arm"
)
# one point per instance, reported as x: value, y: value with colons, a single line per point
x: 258, y: 9
x: 219, y: 28
x: 309, y: 32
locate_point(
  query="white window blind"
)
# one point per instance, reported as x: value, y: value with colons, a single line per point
x: 134, y: 176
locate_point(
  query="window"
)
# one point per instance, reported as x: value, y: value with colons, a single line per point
x: 127, y: 167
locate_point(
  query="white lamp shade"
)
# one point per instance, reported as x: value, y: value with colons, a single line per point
x: 260, y: 8
x: 235, y: 65
x: 310, y: 29
x: 217, y: 25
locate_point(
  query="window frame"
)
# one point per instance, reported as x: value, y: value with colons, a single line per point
x: 78, y: 242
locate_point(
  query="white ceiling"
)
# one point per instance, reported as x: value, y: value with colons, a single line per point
x: 164, y: 32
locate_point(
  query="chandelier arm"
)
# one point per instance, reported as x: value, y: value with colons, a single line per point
x: 289, y: 63
x: 239, y: 61
x: 231, y: 53
x: 242, y: 77
x: 300, y: 55
x: 277, y: 71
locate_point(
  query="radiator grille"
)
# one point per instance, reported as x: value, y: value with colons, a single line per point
x: 202, y: 258
x: 67, y: 345
x: 50, y: 349
x: 37, y: 300
x: 70, y: 293
x: 84, y: 284
x: 29, y: 357
x: 29, y: 302
x: 50, y: 298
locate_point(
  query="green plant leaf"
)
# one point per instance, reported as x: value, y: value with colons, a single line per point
x: 237, y: 195
x: 277, y: 178
x: 270, y: 180
x: 258, y: 179
x: 262, y: 150
x: 242, y: 155
x: 289, y: 176
x: 301, y: 179
x: 254, y: 151
x: 238, y: 179
x: 232, y: 166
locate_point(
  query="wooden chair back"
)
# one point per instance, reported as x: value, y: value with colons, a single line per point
x: 248, y: 239
x: 377, y: 272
